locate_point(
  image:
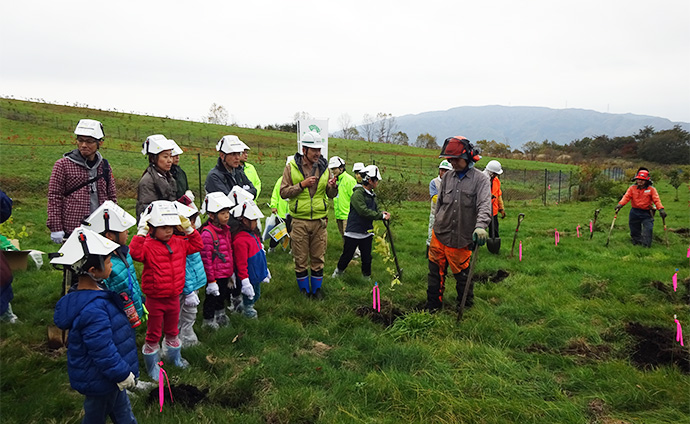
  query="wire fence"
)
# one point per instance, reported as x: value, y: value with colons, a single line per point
x: 268, y: 155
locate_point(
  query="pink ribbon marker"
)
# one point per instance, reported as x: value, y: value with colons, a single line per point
x: 688, y: 251
x: 679, y: 331
x: 556, y: 236
x: 590, y: 226
x: 161, y: 386
x: 520, y: 251
x: 675, y: 280
x: 578, y: 231
x: 376, y: 297
x: 549, y: 186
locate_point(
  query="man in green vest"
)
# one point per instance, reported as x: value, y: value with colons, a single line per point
x: 346, y: 183
x: 250, y: 171
x: 306, y: 183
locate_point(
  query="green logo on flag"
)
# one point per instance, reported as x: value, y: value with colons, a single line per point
x: 315, y: 128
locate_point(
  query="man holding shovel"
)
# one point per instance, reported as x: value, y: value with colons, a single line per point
x: 463, y: 211
x: 643, y: 197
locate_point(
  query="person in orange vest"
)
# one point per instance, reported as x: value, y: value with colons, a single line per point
x: 644, y: 198
x: 493, y: 170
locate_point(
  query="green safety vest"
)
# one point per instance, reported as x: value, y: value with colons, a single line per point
x: 304, y: 206
x: 341, y: 204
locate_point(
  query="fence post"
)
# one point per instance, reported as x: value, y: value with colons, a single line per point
x: 546, y: 175
x: 559, y: 185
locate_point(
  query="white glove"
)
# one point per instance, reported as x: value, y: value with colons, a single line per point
x: 268, y: 277
x: 127, y: 383
x: 192, y: 299
x: 143, y: 227
x: 213, y: 289
x: 247, y: 289
x: 232, y: 281
x: 189, y: 194
x: 58, y: 237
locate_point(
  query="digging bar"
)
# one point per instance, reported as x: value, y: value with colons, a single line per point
x: 608, y: 239
x: 461, y: 309
x: 520, y: 218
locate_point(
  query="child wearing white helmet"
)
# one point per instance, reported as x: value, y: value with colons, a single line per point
x: 112, y: 222
x: 101, y: 349
x: 251, y: 267
x: 156, y: 183
x: 194, y: 280
x: 162, y: 281
x: 217, y: 258
x: 360, y: 223
x: 357, y: 169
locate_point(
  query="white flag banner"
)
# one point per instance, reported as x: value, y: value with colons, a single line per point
x: 317, y: 125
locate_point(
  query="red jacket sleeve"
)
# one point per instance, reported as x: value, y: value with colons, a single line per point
x: 656, y: 199
x: 627, y: 196
x: 240, y: 253
x: 195, y: 243
x: 136, y: 248
x: 207, y: 255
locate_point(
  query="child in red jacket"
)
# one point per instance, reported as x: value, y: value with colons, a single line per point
x: 162, y: 281
x: 250, y: 257
x: 217, y: 258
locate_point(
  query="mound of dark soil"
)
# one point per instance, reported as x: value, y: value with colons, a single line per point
x: 386, y: 317
x: 183, y: 394
x: 657, y: 346
x: 683, y: 231
x: 490, y: 277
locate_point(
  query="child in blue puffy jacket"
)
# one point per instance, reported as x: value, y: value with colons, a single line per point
x: 195, y: 279
x: 101, y: 351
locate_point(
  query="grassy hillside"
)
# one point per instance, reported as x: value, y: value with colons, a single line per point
x: 574, y: 333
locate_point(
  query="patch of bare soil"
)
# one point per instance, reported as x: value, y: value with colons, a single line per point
x: 185, y: 395
x: 657, y: 346
x: 490, y: 277
x: 386, y: 317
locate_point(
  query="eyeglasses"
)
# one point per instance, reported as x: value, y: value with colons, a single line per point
x: 86, y: 140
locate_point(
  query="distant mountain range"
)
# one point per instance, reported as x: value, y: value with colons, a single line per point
x: 516, y: 125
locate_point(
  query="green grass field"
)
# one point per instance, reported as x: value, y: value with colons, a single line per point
x: 550, y: 343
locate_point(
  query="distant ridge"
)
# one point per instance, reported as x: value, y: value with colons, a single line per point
x: 516, y: 125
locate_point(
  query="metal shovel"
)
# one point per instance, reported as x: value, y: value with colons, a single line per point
x: 520, y: 218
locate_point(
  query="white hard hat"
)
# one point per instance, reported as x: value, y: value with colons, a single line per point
x: 230, y: 144
x: 185, y: 210
x: 336, y: 162
x: 312, y: 139
x: 358, y: 166
x: 109, y: 217
x: 81, y: 243
x: 238, y: 195
x: 245, y: 145
x: 247, y: 209
x: 215, y: 202
x: 445, y: 165
x: 495, y: 167
x: 155, y: 144
x: 288, y: 159
x: 177, y: 150
x: 162, y: 212
x: 371, y: 171
x: 91, y: 128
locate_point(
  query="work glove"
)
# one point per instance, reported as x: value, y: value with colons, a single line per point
x: 268, y: 277
x: 192, y: 299
x: 58, y: 237
x: 189, y: 194
x: 213, y: 289
x: 232, y: 281
x: 186, y: 225
x: 127, y: 383
x: 146, y: 313
x: 143, y: 227
x: 662, y: 212
x: 479, y: 236
x: 618, y: 208
x: 247, y: 289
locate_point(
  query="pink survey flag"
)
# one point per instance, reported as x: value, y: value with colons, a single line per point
x: 590, y: 226
x: 161, y: 386
x: 675, y: 280
x: 520, y: 251
x: 688, y: 252
x: 556, y: 236
x: 376, y: 297
x: 578, y: 230
x: 679, y: 331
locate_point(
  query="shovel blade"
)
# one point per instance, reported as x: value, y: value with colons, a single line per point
x: 493, y: 245
x: 56, y: 337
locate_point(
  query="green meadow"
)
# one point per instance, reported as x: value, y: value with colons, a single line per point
x: 553, y: 338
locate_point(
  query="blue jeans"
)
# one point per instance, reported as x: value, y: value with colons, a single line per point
x: 641, y: 225
x: 114, y: 405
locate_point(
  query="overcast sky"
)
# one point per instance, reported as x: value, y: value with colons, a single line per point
x: 266, y: 60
